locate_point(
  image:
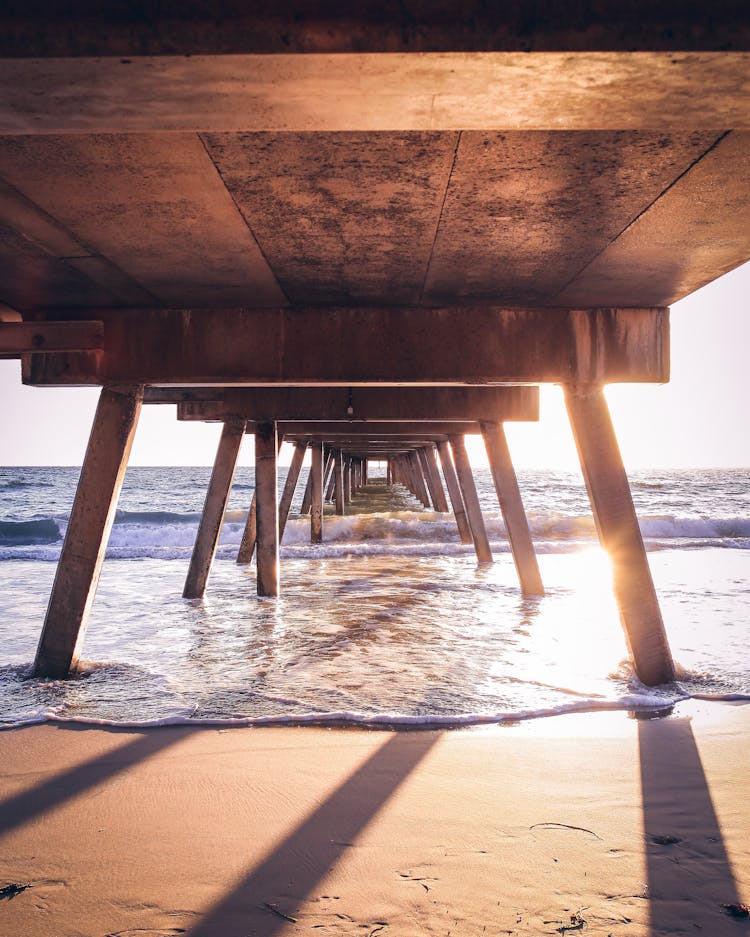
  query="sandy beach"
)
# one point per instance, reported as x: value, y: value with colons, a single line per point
x: 598, y: 824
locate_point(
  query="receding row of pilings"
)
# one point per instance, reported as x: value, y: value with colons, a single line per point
x: 338, y: 464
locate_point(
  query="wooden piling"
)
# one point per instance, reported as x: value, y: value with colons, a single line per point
x: 432, y: 475
x: 511, y: 506
x: 316, y: 493
x: 86, y: 538
x: 307, y: 496
x: 454, y: 492
x: 290, y: 486
x: 471, y: 500
x: 214, y: 507
x: 250, y: 532
x: 347, y: 480
x: 338, y: 481
x: 619, y: 533
x: 267, y: 512
x: 419, y: 482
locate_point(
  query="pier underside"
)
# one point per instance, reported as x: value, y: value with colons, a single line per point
x: 329, y: 225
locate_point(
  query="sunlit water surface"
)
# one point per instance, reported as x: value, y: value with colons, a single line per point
x: 390, y: 621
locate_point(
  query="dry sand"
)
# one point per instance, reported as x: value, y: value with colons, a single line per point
x: 524, y: 830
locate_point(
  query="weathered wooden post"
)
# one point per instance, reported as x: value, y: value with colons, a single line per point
x: 307, y: 496
x: 338, y: 482
x: 330, y: 475
x: 316, y: 500
x: 214, y: 507
x: 91, y: 519
x: 419, y: 481
x: 290, y: 486
x: 250, y: 532
x: 266, y: 485
x: 511, y: 506
x: 347, y: 480
x: 471, y: 500
x: 432, y: 475
x: 454, y: 492
x: 619, y: 533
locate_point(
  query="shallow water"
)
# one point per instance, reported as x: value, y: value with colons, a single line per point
x: 388, y: 621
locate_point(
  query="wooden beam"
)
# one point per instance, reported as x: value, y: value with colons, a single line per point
x: 392, y: 404
x: 619, y: 533
x: 506, y: 87
x: 86, y: 538
x: 250, y: 531
x: 372, y: 429
x: 394, y: 345
x: 215, y: 505
x: 20, y: 338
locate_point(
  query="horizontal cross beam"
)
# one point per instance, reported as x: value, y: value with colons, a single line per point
x: 371, y: 430
x: 409, y: 345
x: 19, y: 338
x: 503, y: 403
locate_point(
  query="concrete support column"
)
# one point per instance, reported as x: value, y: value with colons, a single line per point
x: 249, y: 534
x: 619, y: 534
x: 347, y: 481
x: 421, y: 487
x: 454, y: 493
x: 316, y: 502
x: 214, y: 507
x: 388, y: 473
x: 471, y: 500
x: 338, y: 482
x: 511, y: 505
x: 432, y: 474
x: 307, y: 496
x: 290, y: 486
x: 86, y: 538
x: 329, y: 475
x: 267, y: 513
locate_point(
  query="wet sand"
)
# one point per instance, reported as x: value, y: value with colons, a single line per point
x: 593, y: 824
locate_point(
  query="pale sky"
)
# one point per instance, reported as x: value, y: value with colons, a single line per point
x: 698, y: 419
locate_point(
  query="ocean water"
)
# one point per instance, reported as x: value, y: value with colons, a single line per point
x: 389, y: 622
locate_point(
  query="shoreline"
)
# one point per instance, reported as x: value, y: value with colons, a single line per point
x: 593, y: 823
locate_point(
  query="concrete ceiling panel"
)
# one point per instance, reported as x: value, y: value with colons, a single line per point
x: 31, y: 278
x: 151, y: 204
x: 525, y: 211
x: 341, y: 218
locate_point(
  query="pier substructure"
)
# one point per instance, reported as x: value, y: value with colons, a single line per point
x: 619, y: 533
x: 316, y: 493
x: 266, y: 484
x: 511, y: 506
x: 454, y: 492
x: 88, y: 530
x: 471, y: 500
x: 214, y: 507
